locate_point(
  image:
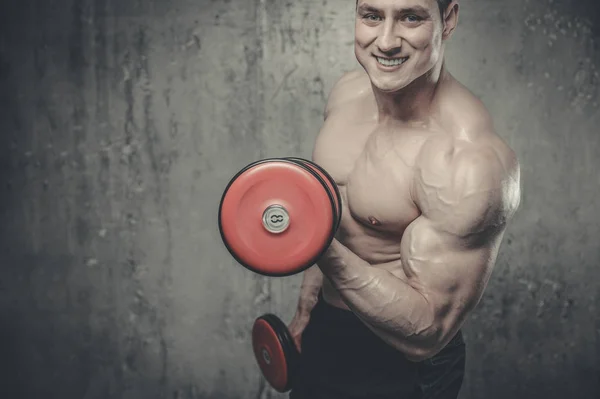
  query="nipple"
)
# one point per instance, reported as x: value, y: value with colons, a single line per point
x: 374, y: 222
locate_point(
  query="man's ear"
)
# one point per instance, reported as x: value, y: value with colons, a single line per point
x: 450, y: 20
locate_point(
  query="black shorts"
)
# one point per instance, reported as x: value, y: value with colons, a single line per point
x: 342, y: 358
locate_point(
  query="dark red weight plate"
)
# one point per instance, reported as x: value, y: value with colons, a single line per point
x: 275, y: 352
x: 331, y: 185
x: 277, y: 217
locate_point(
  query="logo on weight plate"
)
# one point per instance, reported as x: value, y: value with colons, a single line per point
x: 266, y: 356
x: 275, y: 219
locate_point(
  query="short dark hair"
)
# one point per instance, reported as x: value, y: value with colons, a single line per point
x: 443, y: 4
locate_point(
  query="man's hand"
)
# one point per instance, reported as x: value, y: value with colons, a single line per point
x: 297, y: 326
x: 309, y: 295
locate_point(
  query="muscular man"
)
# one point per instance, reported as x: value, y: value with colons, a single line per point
x: 427, y: 188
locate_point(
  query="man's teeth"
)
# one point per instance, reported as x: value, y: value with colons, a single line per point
x: 392, y: 62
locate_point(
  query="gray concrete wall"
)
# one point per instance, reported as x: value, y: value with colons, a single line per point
x: 122, y: 121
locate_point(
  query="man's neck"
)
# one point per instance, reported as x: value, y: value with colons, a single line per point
x: 413, y: 102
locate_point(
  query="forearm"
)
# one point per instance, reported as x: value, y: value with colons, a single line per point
x: 389, y: 306
x: 312, y: 282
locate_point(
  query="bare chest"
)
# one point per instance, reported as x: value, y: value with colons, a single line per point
x: 374, y: 169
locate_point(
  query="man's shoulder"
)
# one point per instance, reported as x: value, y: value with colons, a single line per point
x: 355, y: 76
x: 476, y: 183
x: 468, y: 127
x: 462, y: 111
x: 468, y: 154
x: 350, y: 87
x: 475, y: 148
x: 477, y: 169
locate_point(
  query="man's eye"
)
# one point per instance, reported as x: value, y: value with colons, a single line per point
x: 412, y: 18
x: 372, y: 17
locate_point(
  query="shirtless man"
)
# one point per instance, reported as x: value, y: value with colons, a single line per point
x: 428, y: 189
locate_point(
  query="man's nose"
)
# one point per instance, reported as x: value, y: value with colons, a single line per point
x: 389, y: 41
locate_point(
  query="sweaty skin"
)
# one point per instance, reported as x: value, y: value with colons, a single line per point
x: 427, y: 185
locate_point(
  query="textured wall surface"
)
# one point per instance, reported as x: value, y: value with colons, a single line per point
x: 122, y: 121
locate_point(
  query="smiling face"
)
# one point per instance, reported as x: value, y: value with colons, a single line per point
x: 397, y: 41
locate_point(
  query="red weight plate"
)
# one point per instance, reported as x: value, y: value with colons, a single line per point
x: 331, y: 185
x: 270, y: 355
x: 276, y: 183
